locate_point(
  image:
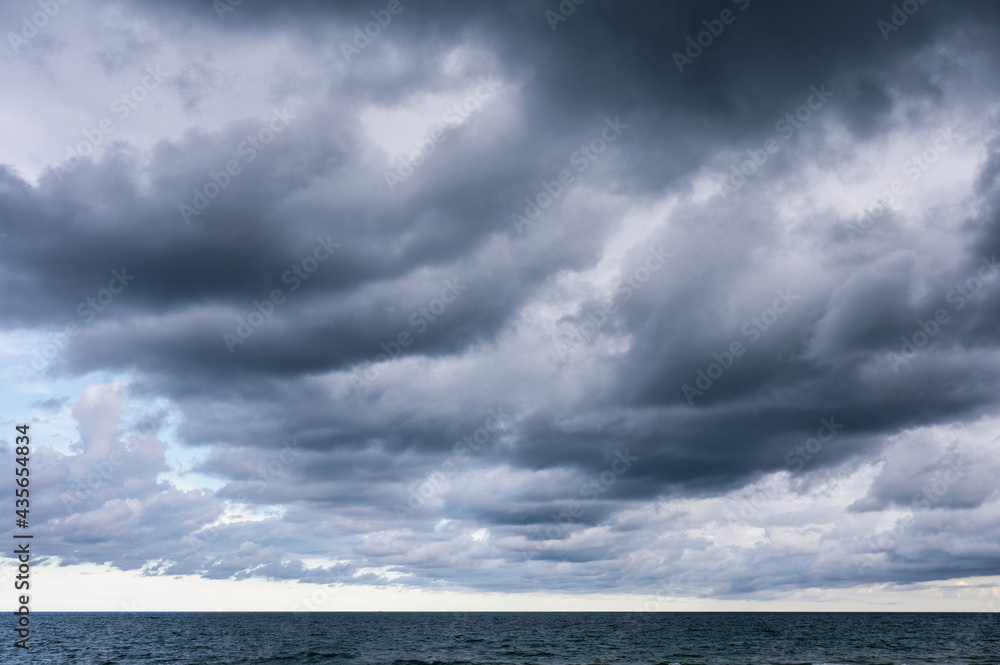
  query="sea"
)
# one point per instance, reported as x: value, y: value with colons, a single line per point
x: 507, y: 638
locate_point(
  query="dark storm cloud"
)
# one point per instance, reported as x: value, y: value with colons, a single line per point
x: 370, y: 433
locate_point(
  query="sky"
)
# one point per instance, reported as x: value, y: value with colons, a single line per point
x: 399, y: 305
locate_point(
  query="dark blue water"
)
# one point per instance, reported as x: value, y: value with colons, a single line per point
x: 453, y: 638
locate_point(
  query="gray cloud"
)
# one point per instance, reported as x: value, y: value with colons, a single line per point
x: 378, y: 370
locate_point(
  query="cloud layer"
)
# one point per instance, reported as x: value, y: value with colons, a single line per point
x: 492, y: 299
